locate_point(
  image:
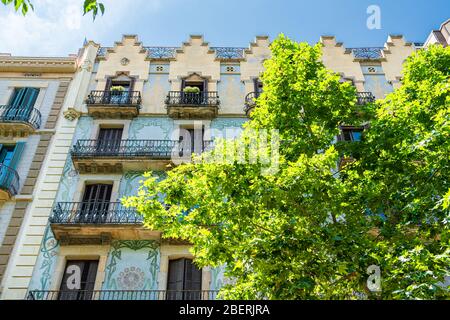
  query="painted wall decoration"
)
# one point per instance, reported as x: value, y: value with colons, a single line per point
x: 84, y: 129
x: 229, y: 128
x: 130, y: 182
x: 217, y: 278
x: 132, y: 265
x: 45, y: 264
x: 151, y: 128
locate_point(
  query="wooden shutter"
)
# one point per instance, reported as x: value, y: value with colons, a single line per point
x: 175, y: 281
x: 132, y: 83
x: 30, y: 97
x: 96, y: 202
x: 192, y: 276
x: 18, y: 150
x: 110, y: 134
x: 17, y: 97
x: 108, y: 84
x: 184, y: 280
x: 88, y: 273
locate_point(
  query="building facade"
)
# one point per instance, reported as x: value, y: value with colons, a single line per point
x: 129, y: 109
x: 32, y: 92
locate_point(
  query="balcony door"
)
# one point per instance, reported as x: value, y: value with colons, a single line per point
x: 9, y: 159
x: 120, y: 89
x: 21, y: 104
x: 194, y: 81
x: 184, y: 280
x: 192, y: 142
x: 258, y: 87
x: 78, y: 282
x: 96, y: 202
x: 108, y: 141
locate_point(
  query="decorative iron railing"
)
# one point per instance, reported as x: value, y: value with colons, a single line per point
x: 250, y: 102
x: 365, y: 97
x: 161, y: 52
x: 9, y: 180
x: 28, y: 115
x: 111, y: 97
x: 155, y: 149
x: 371, y: 53
x: 92, y: 212
x: 180, y: 98
x: 229, y: 53
x: 161, y: 149
x: 123, y: 295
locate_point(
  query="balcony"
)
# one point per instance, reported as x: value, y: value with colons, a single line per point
x: 250, y: 102
x: 97, y: 223
x: 117, y: 156
x: 364, y: 98
x: 192, y: 105
x: 9, y: 183
x: 114, y: 104
x: 17, y: 121
x: 123, y: 295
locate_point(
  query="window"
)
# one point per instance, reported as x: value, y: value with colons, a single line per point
x: 78, y: 282
x: 95, y: 203
x: 109, y: 140
x: 21, y: 103
x: 189, y: 139
x: 184, y: 280
x: 258, y: 87
x: 351, y: 134
x: 9, y: 159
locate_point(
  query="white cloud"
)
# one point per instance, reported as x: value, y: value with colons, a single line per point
x: 58, y: 28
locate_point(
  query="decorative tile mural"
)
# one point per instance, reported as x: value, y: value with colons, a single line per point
x: 132, y: 265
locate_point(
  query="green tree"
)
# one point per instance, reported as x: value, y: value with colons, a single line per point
x: 309, y: 230
x: 88, y: 6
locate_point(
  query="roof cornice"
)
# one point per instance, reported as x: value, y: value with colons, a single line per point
x: 35, y: 64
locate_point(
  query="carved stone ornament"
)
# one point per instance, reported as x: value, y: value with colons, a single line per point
x: 125, y: 61
x: 72, y: 114
x: 86, y: 65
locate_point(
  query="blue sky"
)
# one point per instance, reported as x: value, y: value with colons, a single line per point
x: 58, y: 27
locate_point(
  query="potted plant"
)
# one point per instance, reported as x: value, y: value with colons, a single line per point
x: 117, y: 90
x: 191, y: 90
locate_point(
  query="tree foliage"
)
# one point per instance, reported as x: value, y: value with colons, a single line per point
x: 88, y: 6
x: 310, y: 231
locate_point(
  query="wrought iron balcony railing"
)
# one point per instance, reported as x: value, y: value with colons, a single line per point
x: 160, y: 149
x: 250, y: 102
x: 192, y: 99
x: 155, y: 149
x: 94, y: 213
x: 365, y: 97
x: 123, y: 295
x: 114, y: 98
x: 28, y: 115
x: 9, y: 180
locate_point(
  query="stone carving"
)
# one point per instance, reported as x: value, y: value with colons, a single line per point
x: 71, y: 114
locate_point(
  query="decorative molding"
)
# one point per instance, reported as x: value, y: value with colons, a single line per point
x: 37, y: 65
x: 71, y: 114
